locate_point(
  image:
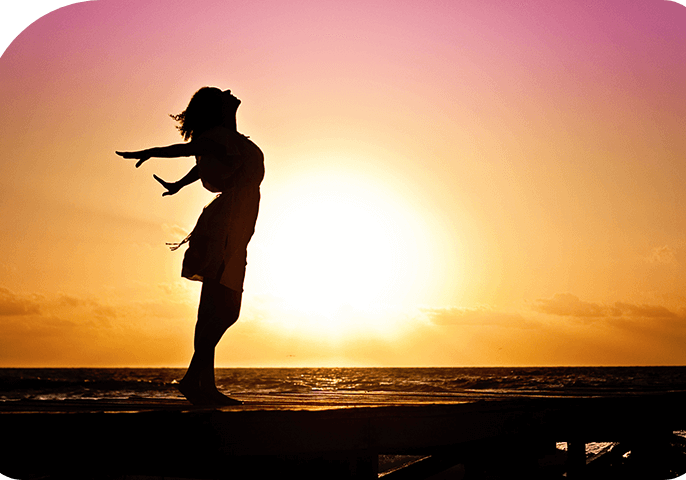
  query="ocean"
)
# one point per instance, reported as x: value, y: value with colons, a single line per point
x: 366, y: 385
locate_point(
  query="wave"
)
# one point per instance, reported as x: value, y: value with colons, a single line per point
x: 431, y: 382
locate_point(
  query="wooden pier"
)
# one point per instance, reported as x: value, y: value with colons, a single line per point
x: 171, y: 439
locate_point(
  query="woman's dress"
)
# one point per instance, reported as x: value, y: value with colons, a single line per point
x: 218, y: 244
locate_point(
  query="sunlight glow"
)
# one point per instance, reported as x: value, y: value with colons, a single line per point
x: 343, y: 249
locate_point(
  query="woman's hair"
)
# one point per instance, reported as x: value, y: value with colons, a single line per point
x: 204, y: 111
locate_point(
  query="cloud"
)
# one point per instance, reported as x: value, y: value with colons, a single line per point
x: 644, y: 311
x: 13, y: 304
x: 482, y: 316
x: 69, y: 301
x: 662, y: 255
x: 178, y: 304
x: 107, y: 329
x: 31, y: 327
x: 566, y: 304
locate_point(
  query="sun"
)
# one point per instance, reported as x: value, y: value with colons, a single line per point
x: 340, y: 247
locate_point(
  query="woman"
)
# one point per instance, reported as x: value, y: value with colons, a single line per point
x: 230, y: 163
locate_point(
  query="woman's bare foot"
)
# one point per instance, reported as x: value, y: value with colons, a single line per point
x: 218, y: 398
x: 193, y: 393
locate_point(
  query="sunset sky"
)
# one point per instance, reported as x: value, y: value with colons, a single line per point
x: 449, y: 183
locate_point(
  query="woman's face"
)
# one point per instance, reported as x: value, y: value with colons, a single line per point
x: 230, y: 102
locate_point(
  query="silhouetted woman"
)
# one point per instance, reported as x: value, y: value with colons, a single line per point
x: 230, y: 163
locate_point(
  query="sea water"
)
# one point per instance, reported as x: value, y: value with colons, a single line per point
x: 384, y: 384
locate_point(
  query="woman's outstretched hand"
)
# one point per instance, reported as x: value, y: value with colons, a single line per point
x: 172, y: 188
x: 141, y: 156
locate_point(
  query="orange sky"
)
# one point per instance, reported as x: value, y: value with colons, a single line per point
x: 448, y: 183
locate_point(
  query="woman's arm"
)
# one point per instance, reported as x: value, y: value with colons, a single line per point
x: 201, y: 146
x: 170, y: 151
x: 174, y: 187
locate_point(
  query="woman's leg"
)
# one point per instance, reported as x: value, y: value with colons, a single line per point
x: 218, y: 310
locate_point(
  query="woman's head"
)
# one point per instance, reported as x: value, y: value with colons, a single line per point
x: 204, y: 111
x: 231, y: 103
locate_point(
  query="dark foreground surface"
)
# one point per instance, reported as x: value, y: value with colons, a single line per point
x: 277, y: 438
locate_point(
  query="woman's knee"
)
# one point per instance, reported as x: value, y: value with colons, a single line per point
x: 219, y: 309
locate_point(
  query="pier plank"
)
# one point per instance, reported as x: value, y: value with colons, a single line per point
x: 173, y: 438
